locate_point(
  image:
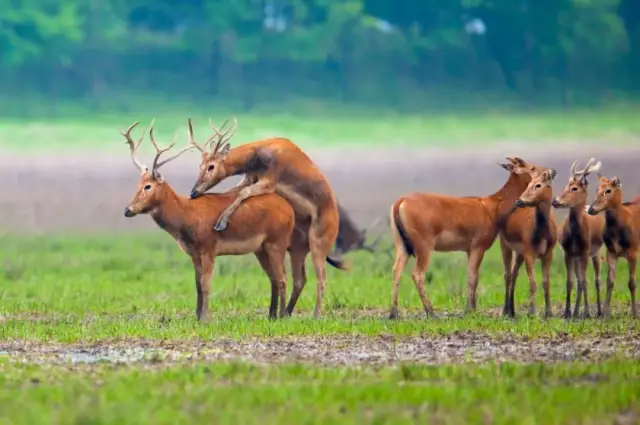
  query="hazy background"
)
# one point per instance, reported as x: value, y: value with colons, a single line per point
x: 386, y: 96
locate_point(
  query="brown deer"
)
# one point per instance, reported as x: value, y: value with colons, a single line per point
x: 264, y: 226
x: 279, y: 166
x: 426, y: 222
x: 580, y: 236
x: 351, y: 238
x: 531, y: 231
x: 621, y: 234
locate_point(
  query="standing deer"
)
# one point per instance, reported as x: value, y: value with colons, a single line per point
x: 264, y: 226
x: 621, y: 234
x: 531, y: 231
x: 580, y: 236
x: 351, y: 238
x: 279, y: 166
x: 424, y: 222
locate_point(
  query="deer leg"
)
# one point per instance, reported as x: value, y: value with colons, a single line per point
x: 208, y: 262
x: 197, y: 266
x: 529, y: 263
x: 546, y: 267
x: 507, y: 260
x: 579, y: 286
x: 611, y: 278
x: 474, y: 259
x: 568, y: 264
x: 398, y: 267
x: 632, y: 260
x: 271, y: 259
x: 595, y: 260
x: 511, y: 290
x: 582, y: 270
x: 259, y: 188
x: 423, y: 255
x: 297, y: 258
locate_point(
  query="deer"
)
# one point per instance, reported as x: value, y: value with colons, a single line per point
x: 351, y: 238
x: 264, y: 225
x: 530, y: 230
x: 275, y: 165
x: 621, y: 235
x: 581, y: 237
x: 425, y: 222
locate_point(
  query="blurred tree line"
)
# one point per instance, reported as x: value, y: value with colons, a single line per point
x: 382, y: 51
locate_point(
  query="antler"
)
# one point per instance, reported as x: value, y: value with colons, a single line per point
x: 192, y: 139
x: 588, y: 169
x: 159, y: 151
x: 134, y: 146
x: 223, y: 137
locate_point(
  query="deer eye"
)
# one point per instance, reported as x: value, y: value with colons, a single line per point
x: 574, y: 189
x: 538, y: 186
x: 147, y: 187
x: 211, y: 167
x: 607, y: 192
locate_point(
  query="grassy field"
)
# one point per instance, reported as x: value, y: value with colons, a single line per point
x: 321, y: 125
x: 81, y: 294
x: 236, y: 393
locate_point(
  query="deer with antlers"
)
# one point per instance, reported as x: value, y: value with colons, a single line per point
x: 426, y: 222
x: 621, y: 234
x: 530, y: 230
x: 275, y: 165
x: 263, y: 227
x: 580, y: 236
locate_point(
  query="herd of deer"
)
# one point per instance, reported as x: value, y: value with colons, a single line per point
x: 285, y: 204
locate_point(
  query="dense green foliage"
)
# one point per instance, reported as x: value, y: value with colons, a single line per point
x: 245, y: 394
x: 251, y: 52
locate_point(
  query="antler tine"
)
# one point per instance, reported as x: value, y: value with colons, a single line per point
x: 171, y: 158
x: 133, y: 146
x: 224, y: 137
x: 192, y: 140
x: 572, y: 171
x: 155, y: 145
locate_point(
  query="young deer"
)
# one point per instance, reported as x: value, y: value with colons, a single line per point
x: 275, y: 165
x: 621, y: 234
x: 351, y: 238
x: 424, y: 222
x: 580, y: 236
x: 531, y: 231
x: 264, y: 226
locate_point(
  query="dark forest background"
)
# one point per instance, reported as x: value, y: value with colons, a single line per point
x: 246, y: 53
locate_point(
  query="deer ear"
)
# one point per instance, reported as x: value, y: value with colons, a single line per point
x: 506, y: 166
x: 552, y: 173
x: 521, y: 162
x: 158, y: 177
x: 615, y: 182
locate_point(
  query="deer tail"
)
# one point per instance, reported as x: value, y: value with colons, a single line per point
x: 396, y: 221
x: 338, y: 263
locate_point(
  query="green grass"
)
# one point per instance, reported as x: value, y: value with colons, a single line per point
x: 322, y: 125
x: 132, y: 289
x: 95, y: 288
x: 245, y: 394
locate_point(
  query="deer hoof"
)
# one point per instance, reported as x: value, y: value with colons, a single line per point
x: 222, y: 224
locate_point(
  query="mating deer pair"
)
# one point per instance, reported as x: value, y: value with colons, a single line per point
x: 266, y: 225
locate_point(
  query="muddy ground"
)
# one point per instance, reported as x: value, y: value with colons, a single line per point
x: 336, y: 350
x: 84, y: 192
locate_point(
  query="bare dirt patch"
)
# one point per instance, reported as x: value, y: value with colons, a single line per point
x: 88, y: 192
x: 335, y: 350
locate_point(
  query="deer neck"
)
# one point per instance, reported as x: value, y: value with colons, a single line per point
x: 239, y: 160
x: 170, y: 211
x: 502, y: 201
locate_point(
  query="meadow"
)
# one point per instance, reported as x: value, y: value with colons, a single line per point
x: 97, y: 324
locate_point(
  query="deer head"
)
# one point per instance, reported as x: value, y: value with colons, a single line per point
x: 151, y: 184
x: 519, y: 166
x: 575, y: 192
x: 538, y: 190
x: 212, y: 168
x: 609, y: 194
